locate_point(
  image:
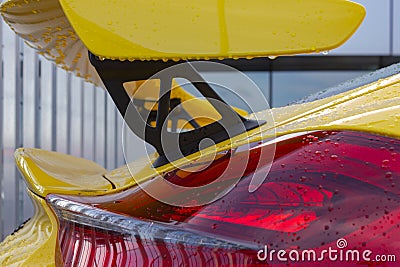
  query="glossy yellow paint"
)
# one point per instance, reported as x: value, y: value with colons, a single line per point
x: 202, y: 29
x: 35, y: 243
x: 48, y: 171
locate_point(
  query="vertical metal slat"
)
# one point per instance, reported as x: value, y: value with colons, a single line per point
x: 69, y: 112
x: 116, y: 138
x: 1, y: 133
x: 94, y: 123
x: 271, y: 89
x: 106, y: 165
x: 19, y: 126
x: 391, y: 26
x: 38, y: 108
x: 53, y: 107
x: 82, y: 133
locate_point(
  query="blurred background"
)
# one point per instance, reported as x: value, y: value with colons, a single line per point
x: 45, y: 107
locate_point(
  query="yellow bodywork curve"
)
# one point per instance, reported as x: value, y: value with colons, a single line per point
x: 35, y: 243
x: 48, y: 171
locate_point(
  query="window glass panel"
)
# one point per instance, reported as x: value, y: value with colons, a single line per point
x: 238, y: 91
x: 290, y: 86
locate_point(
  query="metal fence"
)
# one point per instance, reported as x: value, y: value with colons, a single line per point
x: 45, y: 107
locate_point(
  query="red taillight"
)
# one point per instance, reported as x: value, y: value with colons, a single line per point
x: 322, y: 186
x: 89, y: 236
x: 87, y: 246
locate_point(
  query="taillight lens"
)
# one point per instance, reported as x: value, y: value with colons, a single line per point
x: 119, y: 241
x: 322, y: 186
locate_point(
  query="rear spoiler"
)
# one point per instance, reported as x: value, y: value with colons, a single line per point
x: 64, y: 30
